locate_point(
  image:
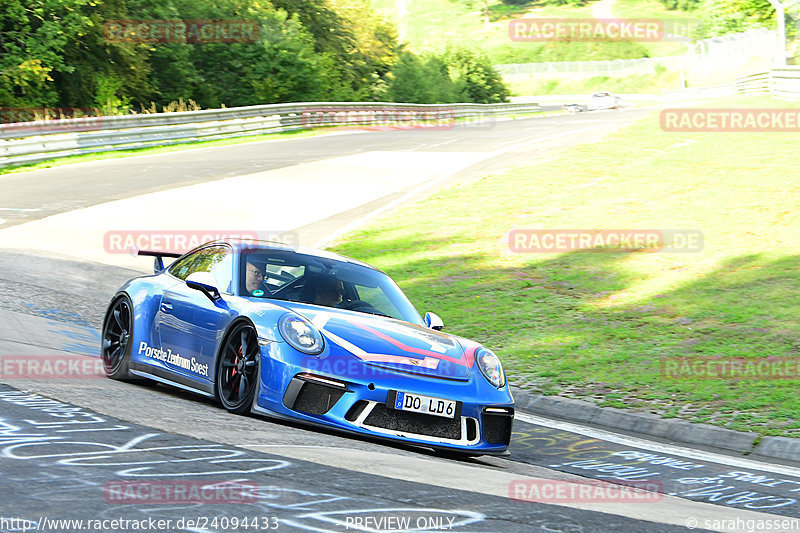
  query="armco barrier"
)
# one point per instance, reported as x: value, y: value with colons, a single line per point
x: 782, y: 82
x: 754, y: 83
x: 30, y: 142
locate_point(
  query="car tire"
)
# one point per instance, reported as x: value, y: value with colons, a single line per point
x: 116, y: 341
x: 237, y: 373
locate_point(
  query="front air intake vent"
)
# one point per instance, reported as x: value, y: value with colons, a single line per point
x: 497, y: 425
x: 356, y: 410
x: 311, y: 397
x: 414, y: 423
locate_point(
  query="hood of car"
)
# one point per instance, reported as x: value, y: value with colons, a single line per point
x: 389, y: 343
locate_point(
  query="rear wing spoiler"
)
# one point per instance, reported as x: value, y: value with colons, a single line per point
x: 158, y: 263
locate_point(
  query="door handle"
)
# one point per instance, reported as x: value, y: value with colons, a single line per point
x: 166, y: 307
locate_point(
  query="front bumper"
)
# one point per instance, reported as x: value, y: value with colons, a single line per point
x: 356, y: 402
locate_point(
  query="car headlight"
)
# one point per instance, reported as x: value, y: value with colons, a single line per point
x: 301, y: 334
x: 490, y: 367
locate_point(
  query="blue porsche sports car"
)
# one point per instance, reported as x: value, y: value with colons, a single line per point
x: 311, y: 336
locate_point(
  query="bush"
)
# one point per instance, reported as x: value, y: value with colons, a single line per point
x: 422, y: 80
x: 459, y: 75
x: 482, y: 83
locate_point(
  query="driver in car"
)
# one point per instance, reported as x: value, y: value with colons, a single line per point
x: 254, y: 279
x: 328, y: 291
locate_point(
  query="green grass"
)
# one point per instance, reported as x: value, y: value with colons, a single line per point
x: 659, y: 80
x: 523, y: 85
x: 433, y: 24
x: 598, y: 325
x: 671, y: 18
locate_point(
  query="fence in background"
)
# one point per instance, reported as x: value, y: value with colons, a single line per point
x: 782, y: 82
x: 753, y: 83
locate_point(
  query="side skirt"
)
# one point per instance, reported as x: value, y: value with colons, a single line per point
x: 167, y: 378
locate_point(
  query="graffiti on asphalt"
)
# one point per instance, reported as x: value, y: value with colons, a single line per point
x: 594, y: 457
x: 76, y: 452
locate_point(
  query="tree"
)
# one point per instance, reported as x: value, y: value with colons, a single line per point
x: 31, y: 48
x: 63, y: 53
x: 376, y: 45
x: 54, y: 53
x: 482, y: 83
x: 423, y: 80
x: 734, y: 16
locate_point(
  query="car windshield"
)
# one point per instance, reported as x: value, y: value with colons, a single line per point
x: 310, y: 279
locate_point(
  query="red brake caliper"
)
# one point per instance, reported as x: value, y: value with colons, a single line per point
x: 233, y: 372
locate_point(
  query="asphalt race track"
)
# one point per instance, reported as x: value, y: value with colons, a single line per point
x: 70, y: 448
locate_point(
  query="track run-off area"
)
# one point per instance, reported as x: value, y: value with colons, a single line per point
x: 68, y: 448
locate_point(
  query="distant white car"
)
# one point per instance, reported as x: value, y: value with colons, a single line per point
x: 603, y: 100
x: 574, y: 108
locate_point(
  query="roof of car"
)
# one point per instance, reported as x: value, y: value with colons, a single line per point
x: 249, y: 244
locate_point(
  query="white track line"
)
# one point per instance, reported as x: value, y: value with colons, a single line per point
x: 659, y: 447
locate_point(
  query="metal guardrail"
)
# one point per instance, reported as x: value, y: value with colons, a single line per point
x: 754, y: 83
x: 29, y: 142
x: 782, y: 82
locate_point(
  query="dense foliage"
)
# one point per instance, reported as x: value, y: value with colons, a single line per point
x: 683, y: 5
x: 721, y: 17
x: 458, y: 75
x: 732, y: 16
x: 546, y: 2
x: 67, y: 53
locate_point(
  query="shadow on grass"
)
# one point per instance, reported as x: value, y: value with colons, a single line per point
x: 556, y: 326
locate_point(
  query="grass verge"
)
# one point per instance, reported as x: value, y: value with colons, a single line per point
x: 523, y: 84
x: 598, y: 326
x: 431, y: 25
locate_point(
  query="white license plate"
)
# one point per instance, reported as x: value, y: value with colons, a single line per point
x: 425, y: 404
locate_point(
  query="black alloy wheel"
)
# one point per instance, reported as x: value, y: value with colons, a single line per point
x: 117, y: 332
x: 237, y: 369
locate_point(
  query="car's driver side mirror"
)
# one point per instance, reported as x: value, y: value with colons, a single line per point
x: 205, y: 283
x: 433, y: 321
